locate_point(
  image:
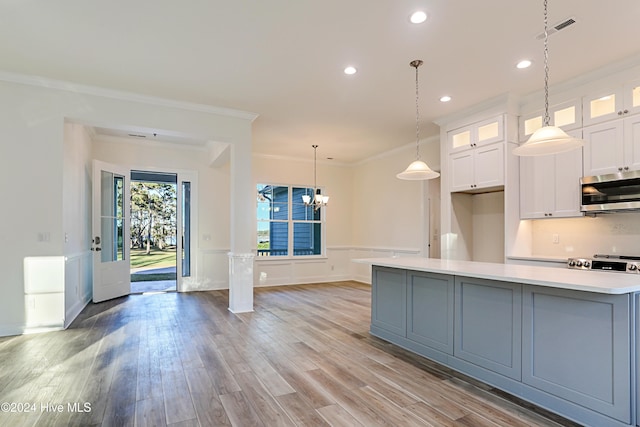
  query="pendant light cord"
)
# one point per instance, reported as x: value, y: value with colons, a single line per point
x: 315, y: 176
x: 547, y: 120
x: 416, y: 63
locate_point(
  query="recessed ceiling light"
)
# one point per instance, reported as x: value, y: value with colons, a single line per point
x: 445, y: 98
x: 350, y: 70
x: 525, y: 63
x: 418, y: 17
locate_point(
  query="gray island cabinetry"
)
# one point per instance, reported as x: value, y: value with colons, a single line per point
x: 564, y: 340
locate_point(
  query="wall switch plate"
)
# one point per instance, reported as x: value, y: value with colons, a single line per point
x: 556, y: 238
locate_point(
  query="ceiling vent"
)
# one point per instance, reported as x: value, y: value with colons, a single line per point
x: 557, y: 27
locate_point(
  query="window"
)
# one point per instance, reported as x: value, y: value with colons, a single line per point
x: 286, y: 227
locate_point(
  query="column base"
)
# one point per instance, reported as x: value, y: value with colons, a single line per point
x: 241, y: 282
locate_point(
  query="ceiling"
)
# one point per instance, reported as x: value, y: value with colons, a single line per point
x: 284, y: 59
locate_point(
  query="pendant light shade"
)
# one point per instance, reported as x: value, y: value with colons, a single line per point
x: 417, y: 170
x: 548, y: 139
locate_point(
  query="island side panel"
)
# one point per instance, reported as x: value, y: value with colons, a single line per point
x: 389, y: 300
x: 430, y: 310
x: 577, y: 345
x: 488, y: 324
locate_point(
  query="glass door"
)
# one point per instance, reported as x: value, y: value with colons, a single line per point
x: 110, y: 225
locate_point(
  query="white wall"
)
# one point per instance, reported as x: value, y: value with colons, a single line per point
x: 32, y: 160
x: 76, y: 205
x: 389, y: 215
x: 488, y: 227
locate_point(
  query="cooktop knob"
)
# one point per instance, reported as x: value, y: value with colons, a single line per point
x: 579, y: 263
x: 587, y: 264
x: 572, y: 263
x: 633, y: 267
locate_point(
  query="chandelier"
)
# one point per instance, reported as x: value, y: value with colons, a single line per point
x: 548, y: 139
x: 418, y: 169
x: 318, y: 199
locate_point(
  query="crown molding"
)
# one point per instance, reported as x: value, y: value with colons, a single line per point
x: 435, y: 139
x: 48, y: 83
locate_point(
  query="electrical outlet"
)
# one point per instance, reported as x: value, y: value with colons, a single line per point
x: 556, y: 239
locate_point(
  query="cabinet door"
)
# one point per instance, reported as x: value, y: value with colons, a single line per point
x: 389, y: 300
x: 632, y: 143
x: 461, y: 139
x: 537, y: 174
x: 567, y: 191
x: 566, y: 116
x: 576, y: 345
x: 603, y: 150
x: 461, y: 168
x: 632, y: 97
x: 488, y: 324
x: 489, y: 131
x: 489, y: 166
x: 430, y: 310
x: 602, y: 106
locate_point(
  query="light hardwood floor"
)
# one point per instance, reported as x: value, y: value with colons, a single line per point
x: 304, y: 357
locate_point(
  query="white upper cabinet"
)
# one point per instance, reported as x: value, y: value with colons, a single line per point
x: 610, y: 104
x: 550, y: 185
x: 476, y: 155
x: 476, y: 134
x: 567, y: 116
x: 478, y: 168
x: 612, y: 147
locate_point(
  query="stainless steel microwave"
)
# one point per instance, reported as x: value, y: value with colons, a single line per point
x: 613, y: 192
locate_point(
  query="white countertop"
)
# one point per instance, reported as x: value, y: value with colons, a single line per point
x: 580, y: 280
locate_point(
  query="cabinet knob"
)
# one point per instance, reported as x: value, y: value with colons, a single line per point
x: 625, y: 111
x: 626, y: 168
x: 619, y: 113
x: 620, y: 169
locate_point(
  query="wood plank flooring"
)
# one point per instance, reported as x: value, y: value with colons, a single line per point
x: 303, y: 358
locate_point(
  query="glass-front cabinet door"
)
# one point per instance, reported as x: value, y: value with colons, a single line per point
x: 609, y: 104
x: 567, y: 116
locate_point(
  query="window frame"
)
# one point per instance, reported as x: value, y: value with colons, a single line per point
x: 290, y: 225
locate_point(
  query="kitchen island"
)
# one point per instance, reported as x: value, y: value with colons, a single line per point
x: 562, y: 339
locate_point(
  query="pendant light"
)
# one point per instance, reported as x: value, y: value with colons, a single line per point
x: 318, y: 199
x: 417, y: 170
x: 548, y: 139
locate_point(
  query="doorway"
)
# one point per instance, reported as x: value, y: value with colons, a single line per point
x: 154, y: 241
x: 172, y: 221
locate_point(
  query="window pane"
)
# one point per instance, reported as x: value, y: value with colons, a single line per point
x: 604, y: 105
x: 566, y: 116
x: 461, y: 139
x: 306, y: 238
x: 111, y: 212
x: 491, y: 130
x: 186, y: 229
x: 273, y: 238
x: 273, y: 202
x: 298, y: 210
x: 533, y: 124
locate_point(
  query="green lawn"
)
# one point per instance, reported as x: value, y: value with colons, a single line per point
x: 156, y: 259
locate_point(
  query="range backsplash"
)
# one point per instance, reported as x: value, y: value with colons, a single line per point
x: 607, y: 233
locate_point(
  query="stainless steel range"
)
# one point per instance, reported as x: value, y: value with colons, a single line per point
x: 619, y: 263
